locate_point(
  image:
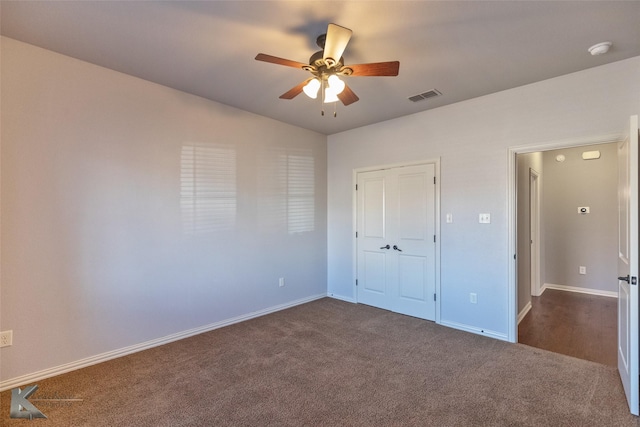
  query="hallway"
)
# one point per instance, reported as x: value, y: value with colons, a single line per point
x: 575, y: 324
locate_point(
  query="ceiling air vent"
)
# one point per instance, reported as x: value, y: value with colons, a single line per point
x: 425, y: 95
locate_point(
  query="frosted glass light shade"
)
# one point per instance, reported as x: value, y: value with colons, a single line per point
x: 335, y: 84
x: 311, y: 88
x: 330, y: 96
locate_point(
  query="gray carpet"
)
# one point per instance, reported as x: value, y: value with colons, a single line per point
x: 332, y: 363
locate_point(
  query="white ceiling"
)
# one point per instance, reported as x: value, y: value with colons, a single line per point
x: 463, y: 49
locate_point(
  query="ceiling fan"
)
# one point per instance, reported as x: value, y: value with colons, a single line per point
x: 327, y: 65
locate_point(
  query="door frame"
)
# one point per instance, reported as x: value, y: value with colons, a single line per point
x: 512, y: 211
x: 534, y: 231
x: 354, y: 217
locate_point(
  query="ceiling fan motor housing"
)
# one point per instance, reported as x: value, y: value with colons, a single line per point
x: 319, y: 62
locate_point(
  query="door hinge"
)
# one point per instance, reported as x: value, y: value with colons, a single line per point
x: 434, y: 297
x: 356, y: 282
x: 434, y: 238
x: 634, y: 280
x: 356, y: 187
x: 434, y: 180
x: 356, y: 234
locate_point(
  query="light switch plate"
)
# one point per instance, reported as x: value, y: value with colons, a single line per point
x: 484, y: 218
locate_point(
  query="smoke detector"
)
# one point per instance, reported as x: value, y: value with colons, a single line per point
x: 600, y: 48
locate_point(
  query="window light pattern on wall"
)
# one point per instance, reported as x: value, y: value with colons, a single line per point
x: 286, y: 190
x: 208, y: 187
x: 271, y: 185
x: 300, y: 193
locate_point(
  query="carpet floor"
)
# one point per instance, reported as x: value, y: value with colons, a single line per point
x: 331, y: 363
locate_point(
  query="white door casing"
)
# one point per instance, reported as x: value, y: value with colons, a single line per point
x: 396, y: 248
x: 534, y: 231
x: 628, y: 266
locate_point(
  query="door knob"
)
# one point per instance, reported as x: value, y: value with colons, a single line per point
x: 385, y: 247
x: 395, y: 247
x: 625, y: 278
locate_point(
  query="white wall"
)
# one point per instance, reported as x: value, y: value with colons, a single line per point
x: 99, y: 252
x: 472, y: 140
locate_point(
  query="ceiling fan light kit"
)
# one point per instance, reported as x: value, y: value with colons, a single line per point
x: 334, y: 87
x: 327, y: 65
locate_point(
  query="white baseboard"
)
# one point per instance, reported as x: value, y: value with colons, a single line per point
x: 524, y: 312
x: 93, y: 360
x: 454, y: 325
x: 475, y: 330
x: 596, y: 292
x: 342, y: 298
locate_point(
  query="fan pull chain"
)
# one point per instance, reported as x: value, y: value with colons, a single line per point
x: 322, y: 100
x: 335, y: 112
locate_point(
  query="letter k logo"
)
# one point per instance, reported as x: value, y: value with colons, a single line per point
x: 21, y: 407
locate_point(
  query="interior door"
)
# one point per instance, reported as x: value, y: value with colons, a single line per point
x: 628, y: 265
x: 534, y: 233
x: 396, y: 240
x: 373, y: 252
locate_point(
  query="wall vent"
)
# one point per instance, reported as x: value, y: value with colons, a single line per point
x: 425, y: 95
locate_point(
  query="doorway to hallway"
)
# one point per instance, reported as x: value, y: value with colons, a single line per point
x: 567, y: 244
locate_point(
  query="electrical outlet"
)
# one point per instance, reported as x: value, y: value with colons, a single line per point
x: 583, y: 269
x: 281, y: 282
x: 484, y: 218
x: 6, y: 338
x: 473, y: 298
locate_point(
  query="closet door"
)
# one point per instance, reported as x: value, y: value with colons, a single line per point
x: 396, y: 239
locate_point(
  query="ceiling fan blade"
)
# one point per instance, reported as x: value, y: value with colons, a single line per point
x: 376, y: 69
x: 295, y: 91
x: 280, y: 61
x: 347, y: 96
x: 336, y: 42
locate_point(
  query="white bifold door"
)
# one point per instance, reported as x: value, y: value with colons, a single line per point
x: 396, y: 233
x: 628, y: 266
